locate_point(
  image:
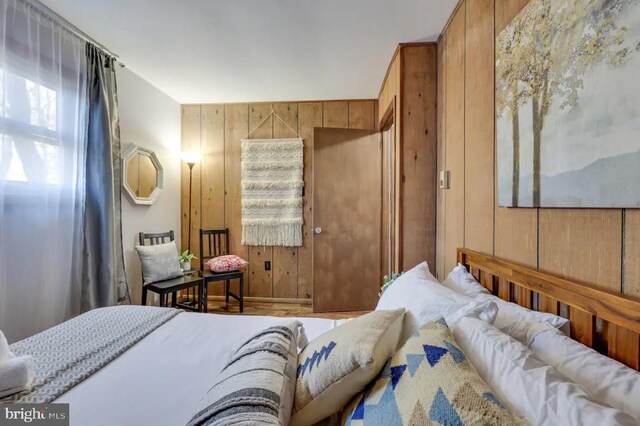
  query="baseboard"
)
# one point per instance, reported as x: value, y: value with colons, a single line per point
x: 267, y: 300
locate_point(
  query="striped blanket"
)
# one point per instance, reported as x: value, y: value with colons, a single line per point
x: 257, y: 384
x: 67, y: 354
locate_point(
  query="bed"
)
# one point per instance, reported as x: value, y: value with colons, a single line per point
x: 160, y: 378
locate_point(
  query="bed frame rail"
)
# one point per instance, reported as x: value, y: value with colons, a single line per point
x: 601, y: 319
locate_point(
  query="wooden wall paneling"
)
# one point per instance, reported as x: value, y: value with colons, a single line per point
x: 385, y: 226
x: 212, y: 166
x: 362, y: 115
x: 390, y: 96
x: 336, y: 114
x: 516, y: 235
x: 506, y: 10
x: 399, y: 107
x: 454, y: 136
x: 236, y: 127
x: 419, y: 148
x: 309, y: 117
x: 285, y: 259
x: 479, y: 125
x: 631, y: 261
x: 582, y: 244
x: 191, y: 141
x: 212, y: 197
x: 260, y: 279
x: 390, y: 88
x: 441, y: 164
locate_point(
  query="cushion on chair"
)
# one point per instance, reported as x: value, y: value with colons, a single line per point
x: 226, y: 263
x: 159, y: 262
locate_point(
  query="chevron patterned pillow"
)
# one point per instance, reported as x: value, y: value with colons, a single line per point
x: 339, y: 364
x: 428, y: 382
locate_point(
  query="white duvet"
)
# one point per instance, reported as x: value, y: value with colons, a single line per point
x: 161, y: 379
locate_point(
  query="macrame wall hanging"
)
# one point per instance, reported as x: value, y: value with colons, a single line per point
x: 272, y: 183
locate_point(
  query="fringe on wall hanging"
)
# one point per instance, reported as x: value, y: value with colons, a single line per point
x: 272, y: 182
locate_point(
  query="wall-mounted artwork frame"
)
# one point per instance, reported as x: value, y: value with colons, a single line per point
x: 568, y: 105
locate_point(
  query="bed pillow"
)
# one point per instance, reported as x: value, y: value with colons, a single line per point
x: 522, y: 323
x: 512, y: 319
x: 227, y: 263
x: 529, y: 387
x: 425, y: 300
x: 337, y: 365
x: 428, y: 381
x: 159, y: 262
x: 461, y: 281
x: 258, y: 383
x: 604, y: 379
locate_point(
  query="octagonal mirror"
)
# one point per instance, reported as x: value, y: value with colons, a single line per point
x: 141, y: 175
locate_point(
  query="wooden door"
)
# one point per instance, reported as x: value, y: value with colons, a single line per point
x: 347, y: 206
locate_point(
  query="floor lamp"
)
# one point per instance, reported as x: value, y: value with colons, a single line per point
x: 191, y: 158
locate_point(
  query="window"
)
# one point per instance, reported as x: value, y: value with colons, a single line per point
x: 30, y: 146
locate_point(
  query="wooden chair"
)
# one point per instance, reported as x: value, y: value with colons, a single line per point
x: 172, y: 286
x: 217, y: 244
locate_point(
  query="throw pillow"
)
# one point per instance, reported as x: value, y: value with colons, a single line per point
x: 429, y: 381
x: 337, y: 365
x: 226, y: 263
x: 257, y: 384
x: 159, y: 262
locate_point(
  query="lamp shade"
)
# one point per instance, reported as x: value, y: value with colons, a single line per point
x: 191, y: 157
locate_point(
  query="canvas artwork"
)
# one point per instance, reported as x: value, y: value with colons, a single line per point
x: 568, y: 105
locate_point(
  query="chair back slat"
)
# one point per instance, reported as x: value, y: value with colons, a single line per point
x: 216, y: 242
x: 154, y: 238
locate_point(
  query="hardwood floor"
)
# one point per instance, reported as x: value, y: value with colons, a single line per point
x: 276, y: 309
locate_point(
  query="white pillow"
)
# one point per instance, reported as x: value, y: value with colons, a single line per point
x: 530, y: 388
x: 520, y: 322
x: 605, y: 379
x: 512, y: 319
x: 425, y: 300
x: 461, y: 281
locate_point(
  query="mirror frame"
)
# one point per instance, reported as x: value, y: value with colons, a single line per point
x: 129, y: 152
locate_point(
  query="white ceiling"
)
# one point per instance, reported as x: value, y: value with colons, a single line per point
x: 217, y: 51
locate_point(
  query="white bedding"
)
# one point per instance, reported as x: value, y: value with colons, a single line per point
x: 161, y: 379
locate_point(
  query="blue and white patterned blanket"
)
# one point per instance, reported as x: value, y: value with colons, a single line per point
x: 67, y: 354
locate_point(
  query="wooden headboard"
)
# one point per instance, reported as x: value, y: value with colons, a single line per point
x: 600, y: 319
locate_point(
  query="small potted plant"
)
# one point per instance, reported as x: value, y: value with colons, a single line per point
x: 185, y: 260
x: 388, y: 281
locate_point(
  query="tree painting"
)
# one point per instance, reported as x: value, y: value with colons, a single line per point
x: 552, y: 53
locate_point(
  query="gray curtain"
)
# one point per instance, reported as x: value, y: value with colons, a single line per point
x: 104, y: 282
